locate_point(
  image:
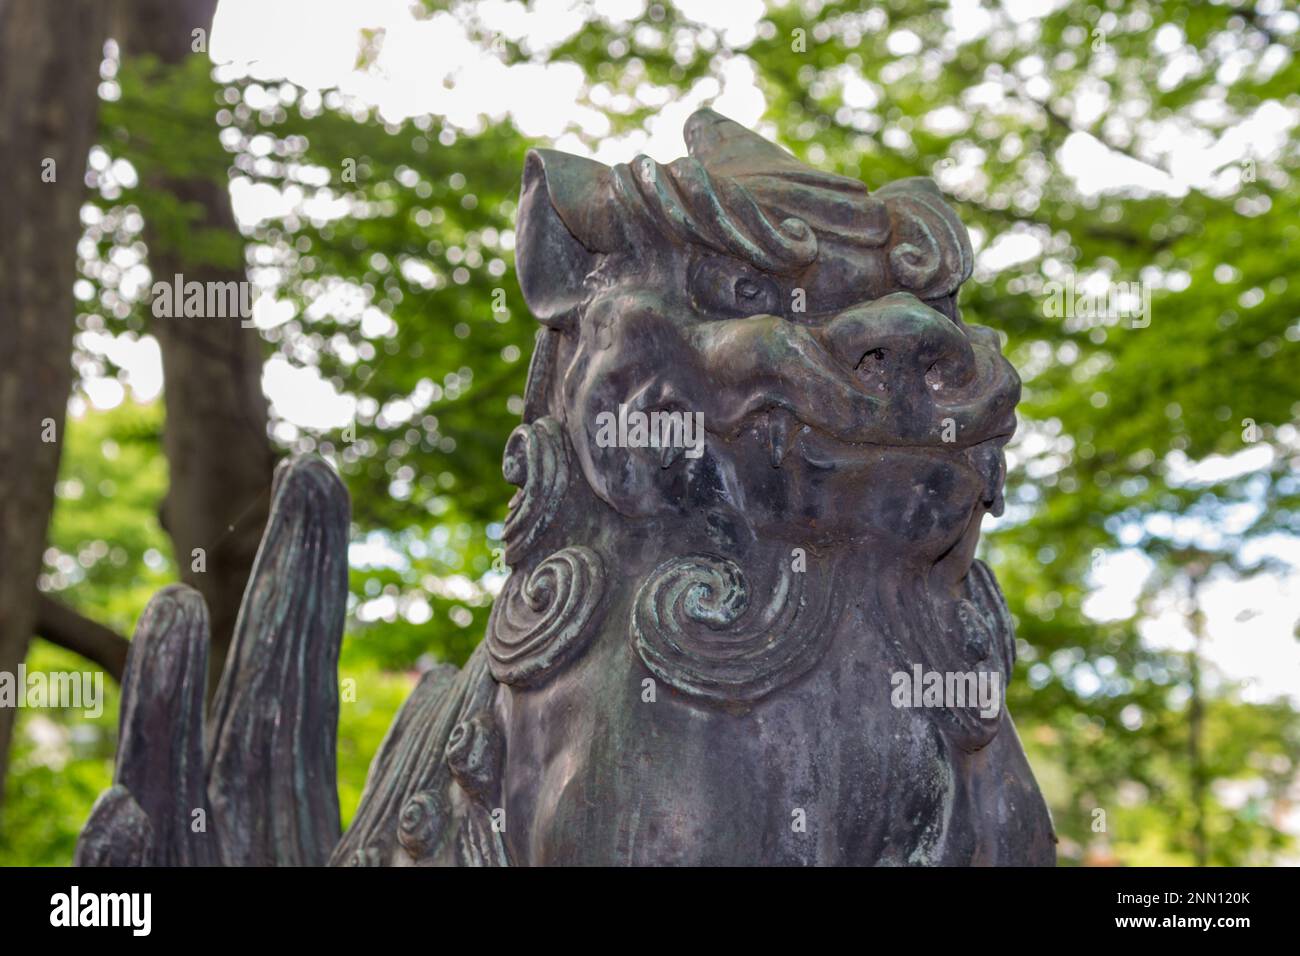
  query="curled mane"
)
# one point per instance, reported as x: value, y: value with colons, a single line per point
x: 682, y: 200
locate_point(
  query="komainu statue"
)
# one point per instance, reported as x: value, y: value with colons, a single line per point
x: 743, y: 623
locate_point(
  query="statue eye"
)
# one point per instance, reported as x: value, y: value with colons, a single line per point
x: 732, y: 289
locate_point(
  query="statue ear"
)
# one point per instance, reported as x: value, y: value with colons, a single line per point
x: 558, y: 231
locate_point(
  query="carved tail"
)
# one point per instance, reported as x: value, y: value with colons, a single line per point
x: 262, y: 789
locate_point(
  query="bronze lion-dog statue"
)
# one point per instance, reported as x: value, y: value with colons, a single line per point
x: 743, y: 622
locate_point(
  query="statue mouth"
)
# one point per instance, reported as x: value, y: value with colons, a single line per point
x: 788, y: 436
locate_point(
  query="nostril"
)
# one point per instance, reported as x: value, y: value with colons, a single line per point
x: 871, y: 368
x: 951, y: 372
x: 934, y: 377
x: 876, y: 355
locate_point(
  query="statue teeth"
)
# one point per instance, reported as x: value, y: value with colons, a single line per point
x: 779, y: 423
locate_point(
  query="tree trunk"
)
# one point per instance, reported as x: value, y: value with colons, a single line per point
x: 219, y: 457
x: 49, y: 75
x: 1196, y: 726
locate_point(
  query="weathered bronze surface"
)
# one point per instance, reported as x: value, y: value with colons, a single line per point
x: 699, y: 656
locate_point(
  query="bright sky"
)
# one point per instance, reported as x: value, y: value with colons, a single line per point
x: 430, y: 66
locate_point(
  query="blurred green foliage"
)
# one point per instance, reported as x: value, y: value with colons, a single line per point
x: 408, y: 303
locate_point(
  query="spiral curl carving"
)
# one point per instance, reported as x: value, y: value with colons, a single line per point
x: 695, y: 625
x: 536, y: 461
x: 421, y: 822
x: 474, y: 752
x: 542, y: 617
x: 930, y: 252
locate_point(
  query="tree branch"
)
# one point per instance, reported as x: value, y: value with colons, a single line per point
x: 61, y: 625
x: 1067, y: 126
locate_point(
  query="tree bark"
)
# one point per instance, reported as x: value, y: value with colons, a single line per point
x: 219, y: 456
x: 49, y: 75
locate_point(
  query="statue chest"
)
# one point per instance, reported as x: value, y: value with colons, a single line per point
x: 606, y: 764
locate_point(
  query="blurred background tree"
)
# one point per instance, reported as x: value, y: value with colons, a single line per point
x: 1155, y: 461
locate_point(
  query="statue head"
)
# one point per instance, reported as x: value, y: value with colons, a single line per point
x: 743, y: 338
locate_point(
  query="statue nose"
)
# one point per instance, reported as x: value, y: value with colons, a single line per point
x: 896, y: 343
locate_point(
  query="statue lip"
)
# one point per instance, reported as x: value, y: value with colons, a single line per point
x: 982, y: 459
x: 822, y: 448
